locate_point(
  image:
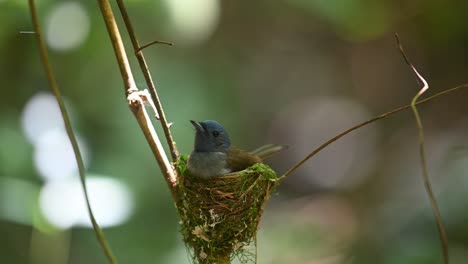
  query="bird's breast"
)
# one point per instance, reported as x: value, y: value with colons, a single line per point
x: 207, y: 164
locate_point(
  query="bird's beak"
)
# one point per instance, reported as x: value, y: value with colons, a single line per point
x: 197, y: 126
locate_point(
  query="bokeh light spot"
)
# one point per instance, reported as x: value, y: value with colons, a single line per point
x: 67, y: 26
x: 343, y: 164
x: 193, y: 21
x: 54, y: 157
x: 40, y: 114
x: 63, y: 202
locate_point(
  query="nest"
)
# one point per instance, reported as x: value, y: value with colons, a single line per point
x: 220, y: 216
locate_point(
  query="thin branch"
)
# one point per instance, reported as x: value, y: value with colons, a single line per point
x: 260, y: 213
x: 119, y: 49
x: 427, y: 181
x: 134, y: 98
x: 137, y: 106
x: 149, y: 80
x: 79, y: 160
x: 152, y: 43
x: 349, y: 130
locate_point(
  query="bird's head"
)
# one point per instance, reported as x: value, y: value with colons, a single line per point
x: 210, y: 136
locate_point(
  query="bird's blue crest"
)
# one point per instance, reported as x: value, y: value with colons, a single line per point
x: 211, y: 137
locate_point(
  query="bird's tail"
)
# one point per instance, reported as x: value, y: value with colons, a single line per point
x: 268, y: 150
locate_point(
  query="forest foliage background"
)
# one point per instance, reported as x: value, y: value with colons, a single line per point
x: 292, y: 72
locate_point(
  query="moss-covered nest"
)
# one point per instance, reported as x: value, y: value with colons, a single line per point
x: 220, y: 216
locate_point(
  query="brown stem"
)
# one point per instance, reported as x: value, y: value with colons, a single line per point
x: 425, y: 173
x: 137, y: 106
x: 71, y: 135
x: 149, y: 80
x: 151, y: 44
x: 134, y: 97
x: 119, y: 49
x: 349, y: 130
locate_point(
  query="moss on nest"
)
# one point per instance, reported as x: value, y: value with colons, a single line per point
x: 220, y: 216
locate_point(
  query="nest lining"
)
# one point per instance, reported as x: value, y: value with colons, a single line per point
x: 219, y: 217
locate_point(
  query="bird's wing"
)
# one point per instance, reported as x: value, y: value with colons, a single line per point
x: 268, y: 150
x: 238, y: 159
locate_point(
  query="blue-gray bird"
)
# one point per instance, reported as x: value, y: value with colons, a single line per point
x: 213, y: 154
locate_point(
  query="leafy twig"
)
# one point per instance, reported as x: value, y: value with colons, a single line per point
x: 79, y: 160
x: 427, y: 181
x: 149, y: 80
x: 349, y: 130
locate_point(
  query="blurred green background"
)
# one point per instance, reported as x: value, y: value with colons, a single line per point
x: 293, y: 72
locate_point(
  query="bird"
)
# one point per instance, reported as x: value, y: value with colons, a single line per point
x: 214, y: 155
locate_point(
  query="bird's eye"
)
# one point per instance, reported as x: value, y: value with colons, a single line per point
x: 215, y: 133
